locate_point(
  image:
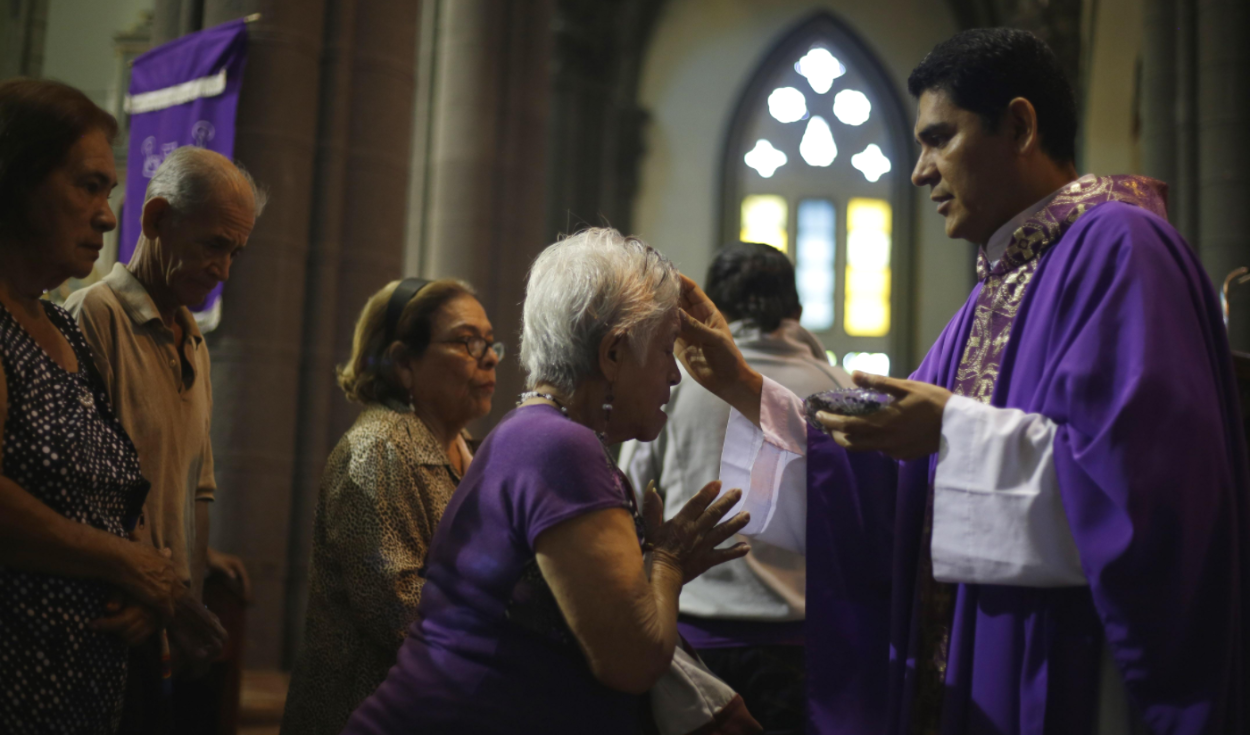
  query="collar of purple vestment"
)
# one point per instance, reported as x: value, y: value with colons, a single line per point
x: 1004, y: 283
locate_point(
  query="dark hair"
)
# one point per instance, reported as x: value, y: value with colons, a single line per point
x: 40, y: 121
x: 983, y: 69
x: 755, y: 282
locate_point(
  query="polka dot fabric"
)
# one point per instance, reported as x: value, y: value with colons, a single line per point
x: 62, y: 445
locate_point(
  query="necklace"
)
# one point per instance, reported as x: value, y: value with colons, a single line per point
x: 640, y: 526
x: 545, y: 396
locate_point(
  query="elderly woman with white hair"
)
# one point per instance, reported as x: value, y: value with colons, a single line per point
x: 540, y: 613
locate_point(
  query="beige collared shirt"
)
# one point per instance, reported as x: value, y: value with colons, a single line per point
x: 164, y: 402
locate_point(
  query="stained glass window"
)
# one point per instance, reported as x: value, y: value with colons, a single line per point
x: 867, y: 362
x: 815, y: 247
x: 764, y: 220
x: 811, y: 162
x: 868, y: 267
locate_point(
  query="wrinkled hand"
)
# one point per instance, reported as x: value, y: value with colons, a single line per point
x: 196, y: 634
x: 707, y: 350
x: 233, y: 569
x: 688, y: 541
x: 909, y: 428
x: 150, y: 578
x: 134, y: 623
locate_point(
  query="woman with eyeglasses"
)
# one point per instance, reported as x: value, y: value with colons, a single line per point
x: 423, y: 365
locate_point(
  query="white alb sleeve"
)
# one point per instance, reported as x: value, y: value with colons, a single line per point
x: 769, y: 464
x: 997, y: 514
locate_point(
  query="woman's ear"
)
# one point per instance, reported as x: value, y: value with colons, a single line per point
x: 612, y: 349
x: 401, y: 363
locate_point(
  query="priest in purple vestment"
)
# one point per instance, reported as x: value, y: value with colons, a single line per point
x: 1048, y: 531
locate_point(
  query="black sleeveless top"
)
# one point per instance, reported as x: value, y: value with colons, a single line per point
x: 64, y: 446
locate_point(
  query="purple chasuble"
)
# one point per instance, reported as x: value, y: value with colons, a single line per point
x: 1102, y: 319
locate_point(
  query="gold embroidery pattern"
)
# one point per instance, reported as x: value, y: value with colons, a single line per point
x: 978, y: 370
x: 1008, y: 280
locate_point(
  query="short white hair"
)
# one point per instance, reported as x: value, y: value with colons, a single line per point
x: 583, y: 288
x: 189, y: 176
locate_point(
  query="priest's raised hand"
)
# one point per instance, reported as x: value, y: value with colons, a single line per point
x: 706, y: 349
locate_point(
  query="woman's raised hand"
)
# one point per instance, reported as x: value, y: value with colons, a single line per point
x: 706, y: 348
x: 687, y: 542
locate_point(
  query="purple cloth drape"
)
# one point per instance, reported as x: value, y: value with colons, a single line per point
x: 177, y: 98
x: 1120, y: 341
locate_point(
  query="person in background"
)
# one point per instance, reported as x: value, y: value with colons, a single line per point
x: 539, y: 613
x: 745, y: 617
x: 70, y: 485
x: 423, y: 364
x: 198, y: 213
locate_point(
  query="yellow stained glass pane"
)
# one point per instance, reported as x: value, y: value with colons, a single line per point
x: 868, y: 230
x: 764, y: 218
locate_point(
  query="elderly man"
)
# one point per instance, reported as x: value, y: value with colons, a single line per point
x: 1065, y: 546
x: 198, y: 214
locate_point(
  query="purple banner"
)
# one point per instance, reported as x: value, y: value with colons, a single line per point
x: 185, y: 92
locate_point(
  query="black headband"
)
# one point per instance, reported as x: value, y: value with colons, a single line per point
x: 404, y: 292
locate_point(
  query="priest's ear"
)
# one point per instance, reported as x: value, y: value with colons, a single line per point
x: 1021, y: 122
x: 155, y: 212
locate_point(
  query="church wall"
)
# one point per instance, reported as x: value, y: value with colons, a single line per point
x: 79, y: 49
x: 1111, y: 126
x: 78, y: 46
x: 700, y: 57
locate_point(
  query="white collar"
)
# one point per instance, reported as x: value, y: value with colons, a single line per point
x: 998, y: 242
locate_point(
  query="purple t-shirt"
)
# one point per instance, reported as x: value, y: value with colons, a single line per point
x: 490, y: 652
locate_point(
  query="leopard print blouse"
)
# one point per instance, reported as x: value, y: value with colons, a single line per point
x: 385, y: 487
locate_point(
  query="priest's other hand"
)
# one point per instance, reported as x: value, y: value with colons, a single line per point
x: 908, y: 428
x: 706, y: 349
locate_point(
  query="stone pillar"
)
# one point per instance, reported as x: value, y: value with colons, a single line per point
x: 486, y: 218
x: 596, y: 133
x: 256, y: 351
x: 1183, y: 203
x: 359, y: 223
x: 1158, y: 91
x: 1224, y: 150
x: 23, y: 25
x: 376, y: 178
x: 320, y: 306
x: 174, y: 18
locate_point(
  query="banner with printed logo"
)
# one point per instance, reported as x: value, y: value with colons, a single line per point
x: 185, y: 92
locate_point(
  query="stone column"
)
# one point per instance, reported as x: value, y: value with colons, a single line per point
x: 486, y: 217
x: 1183, y: 203
x: 23, y: 25
x: 378, y: 159
x: 174, y: 18
x: 359, y: 220
x: 595, y: 138
x: 256, y: 351
x: 1224, y: 150
x: 1158, y: 91
x: 320, y: 305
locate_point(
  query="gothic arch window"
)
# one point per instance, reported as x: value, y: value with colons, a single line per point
x: 817, y: 162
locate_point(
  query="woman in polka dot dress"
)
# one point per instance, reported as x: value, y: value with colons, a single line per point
x: 73, y: 589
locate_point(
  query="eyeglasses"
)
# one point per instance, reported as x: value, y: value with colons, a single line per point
x: 476, y: 347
